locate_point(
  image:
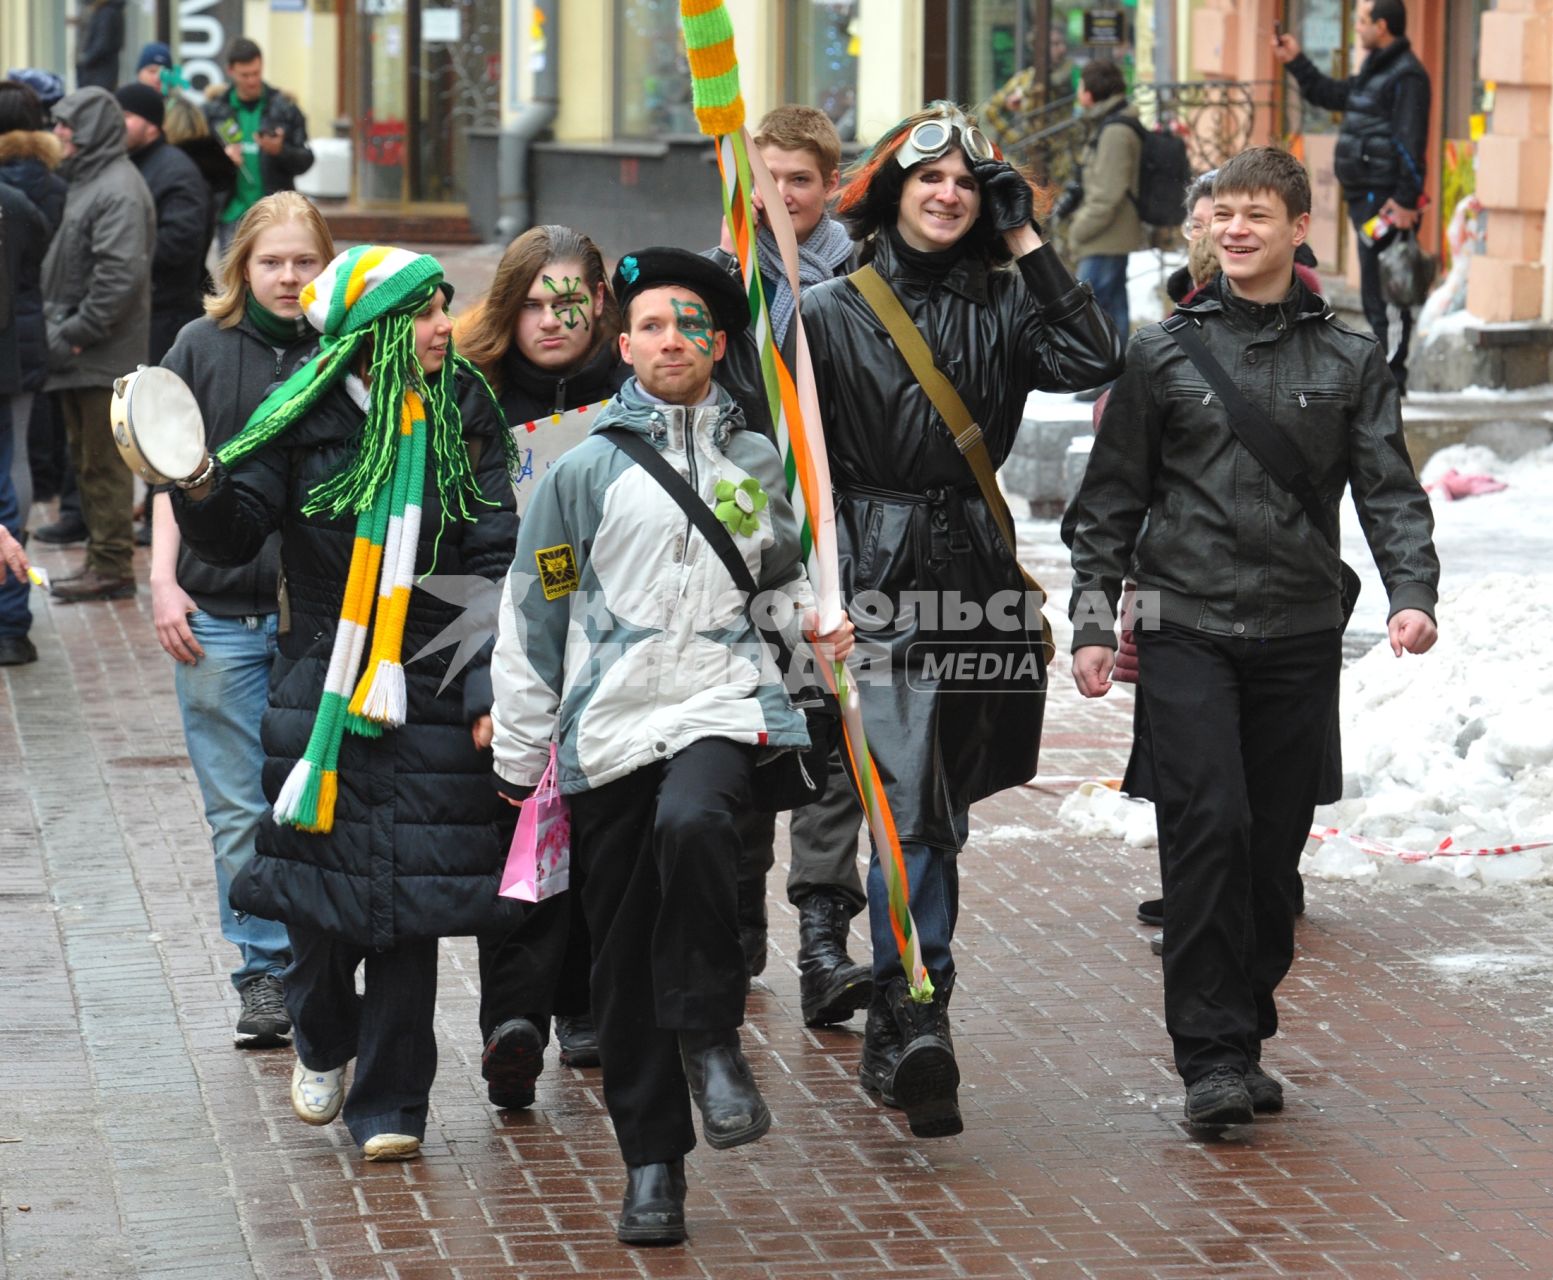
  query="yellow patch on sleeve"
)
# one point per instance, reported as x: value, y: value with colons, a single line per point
x: 557, y: 570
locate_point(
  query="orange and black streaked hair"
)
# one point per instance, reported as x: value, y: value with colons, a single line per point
x: 870, y: 196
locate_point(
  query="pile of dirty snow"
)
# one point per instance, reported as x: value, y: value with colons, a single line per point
x: 1455, y: 744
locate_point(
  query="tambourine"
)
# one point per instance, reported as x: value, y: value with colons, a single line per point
x: 157, y: 425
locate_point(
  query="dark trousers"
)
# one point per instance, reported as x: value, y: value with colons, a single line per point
x: 659, y: 853
x: 387, y: 1029
x: 824, y: 842
x: 757, y: 855
x: 539, y: 967
x: 107, y: 487
x: 47, y: 452
x: 1374, y: 302
x: 1106, y: 274
x: 1239, y: 731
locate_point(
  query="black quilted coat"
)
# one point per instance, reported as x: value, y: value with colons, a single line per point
x: 420, y: 835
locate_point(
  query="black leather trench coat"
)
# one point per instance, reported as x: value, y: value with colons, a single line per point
x: 910, y: 518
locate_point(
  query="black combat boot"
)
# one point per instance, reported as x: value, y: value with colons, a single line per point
x: 881, y: 1048
x: 723, y: 1087
x: 830, y: 984
x: 927, y: 1077
x: 653, y: 1211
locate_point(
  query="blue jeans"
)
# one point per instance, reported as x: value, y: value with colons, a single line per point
x: 1107, y: 276
x: 934, y: 878
x: 15, y: 610
x: 222, y: 698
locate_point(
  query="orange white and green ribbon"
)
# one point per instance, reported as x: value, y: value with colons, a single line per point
x: 795, y: 411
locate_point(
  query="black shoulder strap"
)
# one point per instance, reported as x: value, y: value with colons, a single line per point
x: 1269, y: 445
x: 721, y: 541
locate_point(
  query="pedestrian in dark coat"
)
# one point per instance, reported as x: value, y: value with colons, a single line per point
x: 1382, y: 153
x: 24, y: 234
x: 545, y: 338
x: 97, y: 54
x: 1238, y: 668
x: 386, y: 833
x: 263, y: 130
x: 28, y: 158
x: 182, y: 201
x: 184, y: 125
x: 940, y: 217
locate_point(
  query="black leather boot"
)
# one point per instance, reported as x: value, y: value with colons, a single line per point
x: 882, y: 1047
x: 723, y: 1086
x: 830, y: 984
x: 654, y: 1208
x: 927, y: 1077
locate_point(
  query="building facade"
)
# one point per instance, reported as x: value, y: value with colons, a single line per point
x: 516, y: 111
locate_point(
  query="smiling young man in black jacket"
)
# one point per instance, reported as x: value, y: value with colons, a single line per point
x: 1382, y: 144
x: 1241, y: 591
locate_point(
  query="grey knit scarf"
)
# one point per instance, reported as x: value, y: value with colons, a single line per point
x: 818, y: 257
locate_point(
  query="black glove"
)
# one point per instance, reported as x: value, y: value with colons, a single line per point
x: 1006, y: 194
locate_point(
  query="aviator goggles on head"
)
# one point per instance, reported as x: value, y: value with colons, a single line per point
x: 931, y: 138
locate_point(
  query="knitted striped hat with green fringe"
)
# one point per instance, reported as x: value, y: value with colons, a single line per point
x: 369, y: 292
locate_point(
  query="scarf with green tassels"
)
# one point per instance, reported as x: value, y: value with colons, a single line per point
x: 371, y: 292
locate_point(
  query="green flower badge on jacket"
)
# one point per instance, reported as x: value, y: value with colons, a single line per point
x: 739, y: 505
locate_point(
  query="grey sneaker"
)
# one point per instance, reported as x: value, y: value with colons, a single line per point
x: 263, y: 1022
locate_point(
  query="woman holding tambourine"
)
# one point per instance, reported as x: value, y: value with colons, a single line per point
x: 385, y: 833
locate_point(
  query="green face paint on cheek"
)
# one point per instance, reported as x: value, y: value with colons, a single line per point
x: 695, y: 324
x: 571, y: 303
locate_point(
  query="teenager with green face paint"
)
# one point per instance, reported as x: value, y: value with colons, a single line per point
x: 658, y: 745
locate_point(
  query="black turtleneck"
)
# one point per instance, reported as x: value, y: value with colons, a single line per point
x: 930, y: 266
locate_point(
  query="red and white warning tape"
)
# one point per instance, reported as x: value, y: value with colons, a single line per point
x: 1444, y: 849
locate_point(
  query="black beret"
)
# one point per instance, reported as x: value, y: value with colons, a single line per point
x: 653, y: 268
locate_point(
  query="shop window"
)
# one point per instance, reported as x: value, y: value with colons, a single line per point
x: 1080, y: 30
x: 825, y: 40
x: 652, y: 74
x: 1323, y: 29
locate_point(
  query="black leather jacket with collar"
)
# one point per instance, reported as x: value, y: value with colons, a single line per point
x: 1223, y: 546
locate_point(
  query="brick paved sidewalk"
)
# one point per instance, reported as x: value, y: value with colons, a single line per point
x: 1416, y: 1141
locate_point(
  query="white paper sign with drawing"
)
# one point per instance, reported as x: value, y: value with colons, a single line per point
x: 544, y: 440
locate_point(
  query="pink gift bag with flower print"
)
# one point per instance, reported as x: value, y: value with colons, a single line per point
x: 540, y: 860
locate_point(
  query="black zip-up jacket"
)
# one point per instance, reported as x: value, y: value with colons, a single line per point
x: 182, y: 199
x: 529, y: 392
x: 1382, y: 144
x: 1226, y: 548
x: 230, y: 371
x: 280, y: 111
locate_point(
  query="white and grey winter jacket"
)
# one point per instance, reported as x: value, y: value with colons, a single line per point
x: 622, y: 636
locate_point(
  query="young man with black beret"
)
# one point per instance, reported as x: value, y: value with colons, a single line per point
x: 625, y: 640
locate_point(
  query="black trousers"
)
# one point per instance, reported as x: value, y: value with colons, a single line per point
x: 539, y: 967
x: 1373, y: 301
x: 387, y: 1029
x: 659, y: 853
x: 1239, y: 735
